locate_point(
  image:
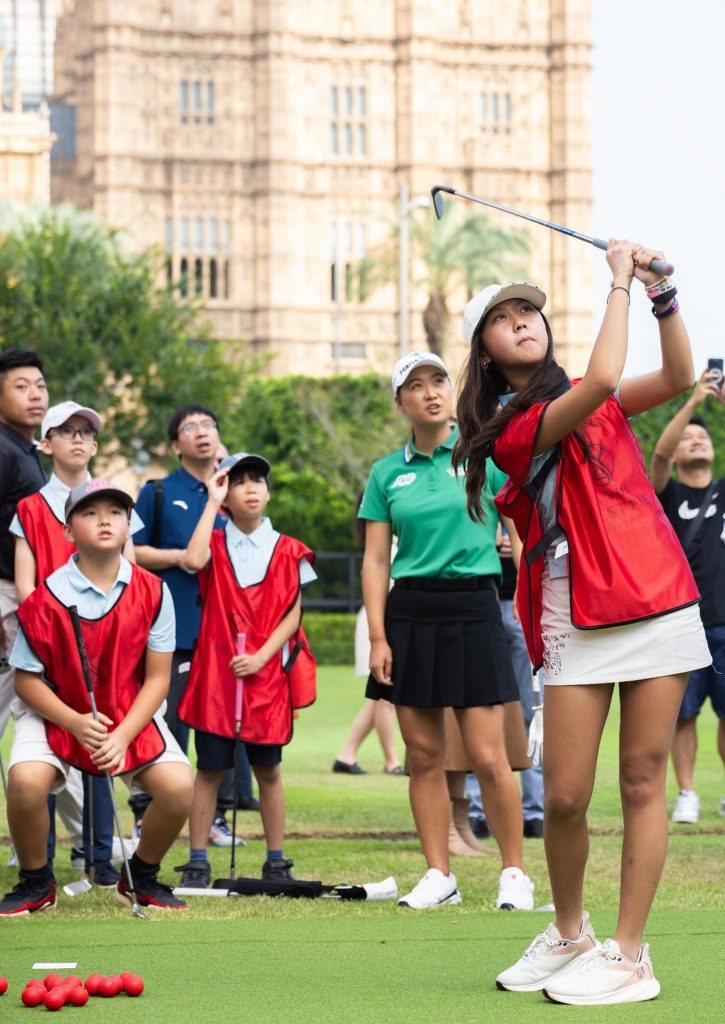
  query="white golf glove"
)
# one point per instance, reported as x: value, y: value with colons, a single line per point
x: 536, y: 727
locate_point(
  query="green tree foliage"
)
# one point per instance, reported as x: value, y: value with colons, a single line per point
x: 650, y: 425
x: 461, y: 253
x: 109, y: 336
x: 321, y: 437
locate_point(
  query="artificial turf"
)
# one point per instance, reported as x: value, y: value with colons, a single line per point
x: 318, y: 961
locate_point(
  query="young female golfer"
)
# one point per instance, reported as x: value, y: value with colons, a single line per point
x: 605, y: 595
x: 437, y: 640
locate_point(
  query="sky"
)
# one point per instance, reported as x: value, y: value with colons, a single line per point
x: 658, y: 135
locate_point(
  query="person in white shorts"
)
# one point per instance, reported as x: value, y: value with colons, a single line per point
x: 127, y: 624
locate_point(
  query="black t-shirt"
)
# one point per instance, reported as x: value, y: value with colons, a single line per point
x: 706, y: 552
x: 20, y: 475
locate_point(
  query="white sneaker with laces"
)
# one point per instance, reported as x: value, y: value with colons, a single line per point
x: 605, y: 977
x: 687, y: 807
x: 433, y: 890
x: 515, y: 890
x: 547, y: 955
x: 221, y: 835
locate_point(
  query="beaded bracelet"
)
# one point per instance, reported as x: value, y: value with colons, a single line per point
x: 674, y: 308
x: 665, y: 297
x: 620, y: 288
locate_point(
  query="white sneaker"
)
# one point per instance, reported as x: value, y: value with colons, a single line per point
x: 605, y: 977
x: 433, y: 890
x: 221, y: 835
x: 515, y: 890
x: 548, y: 954
x: 129, y: 844
x: 687, y: 807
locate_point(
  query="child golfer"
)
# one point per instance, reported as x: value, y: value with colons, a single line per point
x: 250, y: 634
x: 605, y: 595
x: 68, y: 437
x: 127, y: 622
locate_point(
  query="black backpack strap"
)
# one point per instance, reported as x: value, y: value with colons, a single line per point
x: 694, y: 525
x: 158, y: 502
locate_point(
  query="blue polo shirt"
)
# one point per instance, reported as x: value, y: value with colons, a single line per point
x: 184, y: 500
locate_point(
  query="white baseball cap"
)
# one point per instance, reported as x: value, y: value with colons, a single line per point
x: 406, y: 364
x: 480, y: 304
x: 59, y: 414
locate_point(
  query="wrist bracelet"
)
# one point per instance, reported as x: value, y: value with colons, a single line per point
x: 660, y: 300
x: 658, y: 288
x: 674, y: 308
x: 619, y: 288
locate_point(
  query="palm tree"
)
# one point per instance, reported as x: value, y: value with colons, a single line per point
x: 462, y: 252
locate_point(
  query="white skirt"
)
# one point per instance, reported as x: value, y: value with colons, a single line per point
x: 666, y: 645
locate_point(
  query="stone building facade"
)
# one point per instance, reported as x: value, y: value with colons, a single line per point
x: 256, y: 141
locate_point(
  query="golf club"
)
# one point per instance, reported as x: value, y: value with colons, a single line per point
x: 658, y: 266
x: 136, y: 909
x: 241, y: 649
x: 13, y: 856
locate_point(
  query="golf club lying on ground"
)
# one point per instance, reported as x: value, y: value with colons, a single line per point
x: 296, y: 888
x: 659, y: 266
x: 136, y: 909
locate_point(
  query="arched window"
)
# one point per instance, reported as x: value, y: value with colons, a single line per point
x: 184, y: 283
x: 212, y: 279
x: 198, y: 277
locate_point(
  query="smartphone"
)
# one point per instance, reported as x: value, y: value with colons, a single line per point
x: 717, y: 366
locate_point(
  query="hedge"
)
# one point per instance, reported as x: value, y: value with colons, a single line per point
x: 331, y: 637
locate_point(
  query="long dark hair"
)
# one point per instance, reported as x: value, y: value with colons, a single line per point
x: 480, y: 421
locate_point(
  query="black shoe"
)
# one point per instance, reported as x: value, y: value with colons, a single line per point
x: 247, y: 803
x: 347, y: 769
x: 479, y: 827
x: 195, y: 875
x: 277, y: 871
x: 29, y: 896
x: 533, y: 828
x: 77, y: 859
x: 150, y: 892
x: 105, y: 876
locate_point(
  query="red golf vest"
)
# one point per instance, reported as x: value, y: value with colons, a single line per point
x: 270, y: 695
x: 44, y: 534
x: 625, y: 561
x: 116, y: 649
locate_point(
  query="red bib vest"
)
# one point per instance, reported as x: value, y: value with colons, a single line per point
x: 44, y: 534
x: 116, y: 649
x: 270, y: 695
x: 625, y: 561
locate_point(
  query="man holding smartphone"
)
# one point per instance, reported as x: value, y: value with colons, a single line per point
x: 695, y: 505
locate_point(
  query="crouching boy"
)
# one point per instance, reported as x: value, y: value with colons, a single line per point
x: 252, y: 588
x: 127, y: 623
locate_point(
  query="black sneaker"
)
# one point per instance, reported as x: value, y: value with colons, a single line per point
x: 479, y: 827
x: 105, y: 876
x: 343, y: 768
x: 28, y: 896
x: 249, y: 803
x: 533, y: 828
x: 150, y: 892
x: 195, y: 875
x: 277, y: 870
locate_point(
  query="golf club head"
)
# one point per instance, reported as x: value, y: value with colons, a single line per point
x: 138, y: 912
x: 438, y: 198
x: 79, y: 888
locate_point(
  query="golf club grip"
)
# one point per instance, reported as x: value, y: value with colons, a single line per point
x: 75, y: 619
x: 657, y: 266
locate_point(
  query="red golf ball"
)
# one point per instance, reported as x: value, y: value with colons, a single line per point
x: 110, y: 987
x: 132, y: 984
x: 72, y: 980
x: 92, y: 983
x: 33, y: 995
x: 55, y: 998
x: 3, y: 985
x: 78, y: 996
x: 52, y: 980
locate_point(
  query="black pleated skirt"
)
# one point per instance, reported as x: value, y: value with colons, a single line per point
x: 449, y: 649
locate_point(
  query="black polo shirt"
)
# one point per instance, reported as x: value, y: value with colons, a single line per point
x: 20, y: 475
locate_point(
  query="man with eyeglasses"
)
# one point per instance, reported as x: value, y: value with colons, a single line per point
x: 23, y: 403
x: 170, y: 509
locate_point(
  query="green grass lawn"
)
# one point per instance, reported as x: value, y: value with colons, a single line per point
x: 318, y: 960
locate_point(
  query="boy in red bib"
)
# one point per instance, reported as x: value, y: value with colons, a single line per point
x: 127, y: 622
x: 252, y: 587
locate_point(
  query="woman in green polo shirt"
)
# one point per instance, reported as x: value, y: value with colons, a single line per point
x: 438, y: 640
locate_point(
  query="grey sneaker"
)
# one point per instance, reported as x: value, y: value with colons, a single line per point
x: 277, y: 871
x: 195, y: 875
